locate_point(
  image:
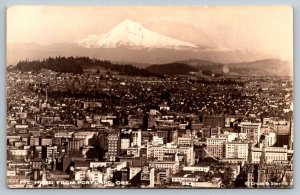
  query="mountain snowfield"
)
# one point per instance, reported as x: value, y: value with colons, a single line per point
x: 130, y: 42
x: 132, y: 34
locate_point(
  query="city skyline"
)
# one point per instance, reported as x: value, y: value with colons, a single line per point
x: 146, y: 101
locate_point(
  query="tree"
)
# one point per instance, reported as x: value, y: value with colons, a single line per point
x: 240, y: 181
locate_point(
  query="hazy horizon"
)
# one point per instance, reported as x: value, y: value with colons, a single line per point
x: 266, y: 29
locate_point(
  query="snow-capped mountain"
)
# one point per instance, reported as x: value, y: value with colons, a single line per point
x: 130, y: 42
x: 132, y: 34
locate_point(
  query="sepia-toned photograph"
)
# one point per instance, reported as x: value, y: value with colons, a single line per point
x: 149, y: 97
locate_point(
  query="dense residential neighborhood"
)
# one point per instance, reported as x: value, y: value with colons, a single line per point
x: 100, y: 130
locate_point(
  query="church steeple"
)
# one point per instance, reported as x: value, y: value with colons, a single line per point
x: 262, y: 160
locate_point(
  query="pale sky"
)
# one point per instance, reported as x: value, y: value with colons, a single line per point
x: 267, y: 29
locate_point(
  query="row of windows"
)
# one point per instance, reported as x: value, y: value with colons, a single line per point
x: 272, y: 157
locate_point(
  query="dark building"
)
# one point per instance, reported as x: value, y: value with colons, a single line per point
x: 75, y: 144
x: 214, y: 120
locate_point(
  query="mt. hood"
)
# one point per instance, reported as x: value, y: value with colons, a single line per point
x: 132, y: 34
x: 130, y: 42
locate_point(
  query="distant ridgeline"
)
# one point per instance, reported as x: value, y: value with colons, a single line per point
x: 171, y: 69
x: 77, y: 65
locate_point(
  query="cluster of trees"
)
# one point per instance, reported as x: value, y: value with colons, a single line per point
x: 59, y: 64
x: 171, y: 69
x: 130, y: 70
x: 77, y: 65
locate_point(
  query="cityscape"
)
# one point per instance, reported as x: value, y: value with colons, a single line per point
x: 85, y: 121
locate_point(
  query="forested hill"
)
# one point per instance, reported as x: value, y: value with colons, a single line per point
x: 78, y: 64
x: 171, y: 69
